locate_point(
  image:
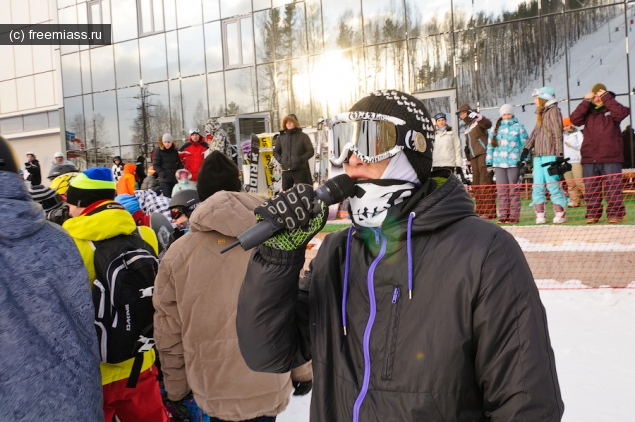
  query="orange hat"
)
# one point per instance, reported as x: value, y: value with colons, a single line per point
x: 566, y: 122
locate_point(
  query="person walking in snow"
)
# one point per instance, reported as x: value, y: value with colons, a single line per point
x: 602, y: 153
x: 503, y: 154
x: 420, y: 311
x: 49, y: 358
x: 572, y: 139
x: 546, y: 141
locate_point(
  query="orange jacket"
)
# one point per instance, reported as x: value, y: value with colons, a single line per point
x: 127, y: 182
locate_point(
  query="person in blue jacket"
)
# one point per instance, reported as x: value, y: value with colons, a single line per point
x: 504, y: 147
x: 49, y: 358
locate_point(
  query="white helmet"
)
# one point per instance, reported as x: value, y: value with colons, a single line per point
x: 58, y: 154
x: 30, y: 153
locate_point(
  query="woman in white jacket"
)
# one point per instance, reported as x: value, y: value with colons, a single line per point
x: 573, y: 138
x: 447, y: 147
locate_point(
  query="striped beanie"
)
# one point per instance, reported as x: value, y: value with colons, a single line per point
x: 90, y: 186
x: 46, y: 197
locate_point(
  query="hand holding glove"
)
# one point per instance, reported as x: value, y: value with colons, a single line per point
x: 178, y: 407
x: 474, y: 116
x: 296, y: 215
x: 524, y: 156
x: 302, y: 388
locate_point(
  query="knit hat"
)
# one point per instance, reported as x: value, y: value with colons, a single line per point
x: 167, y: 138
x: 129, y: 202
x: 216, y: 174
x: 567, y: 121
x: 506, y: 109
x: 46, y: 197
x: 546, y: 93
x: 90, y: 186
x: 418, y: 141
x: 598, y: 87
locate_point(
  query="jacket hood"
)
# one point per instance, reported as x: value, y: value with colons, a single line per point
x: 129, y: 168
x: 214, y: 213
x: 438, y: 203
x: 19, y: 215
x: 101, y: 225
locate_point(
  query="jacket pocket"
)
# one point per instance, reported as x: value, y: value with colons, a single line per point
x: 391, y: 337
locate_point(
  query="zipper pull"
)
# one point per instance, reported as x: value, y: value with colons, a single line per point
x: 395, y: 295
x: 376, y: 231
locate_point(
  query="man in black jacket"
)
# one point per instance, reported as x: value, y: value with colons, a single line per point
x: 33, y: 167
x: 421, y: 311
x: 293, y: 150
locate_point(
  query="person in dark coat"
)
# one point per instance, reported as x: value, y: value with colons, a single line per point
x: 166, y: 162
x: 420, y: 311
x: 628, y: 136
x: 33, y: 167
x: 476, y: 138
x: 293, y: 150
x: 49, y: 358
x: 602, y: 153
x: 141, y: 169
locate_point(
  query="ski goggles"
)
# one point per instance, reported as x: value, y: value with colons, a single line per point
x: 372, y: 137
x: 176, y: 212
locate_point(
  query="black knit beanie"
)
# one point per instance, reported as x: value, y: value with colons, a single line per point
x: 418, y: 140
x: 216, y: 174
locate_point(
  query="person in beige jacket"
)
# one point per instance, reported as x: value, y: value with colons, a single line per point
x: 195, y: 298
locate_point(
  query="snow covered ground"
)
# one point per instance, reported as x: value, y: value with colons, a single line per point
x: 593, y: 337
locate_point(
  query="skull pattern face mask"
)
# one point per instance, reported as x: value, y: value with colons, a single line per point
x: 373, y: 198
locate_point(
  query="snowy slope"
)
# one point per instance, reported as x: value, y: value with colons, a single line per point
x: 593, y: 337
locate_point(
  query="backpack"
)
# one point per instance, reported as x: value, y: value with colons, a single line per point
x: 125, y: 268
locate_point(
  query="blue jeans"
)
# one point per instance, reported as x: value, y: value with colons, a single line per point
x: 613, y: 187
x: 541, y: 176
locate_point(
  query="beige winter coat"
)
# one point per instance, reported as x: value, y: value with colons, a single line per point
x: 195, y: 297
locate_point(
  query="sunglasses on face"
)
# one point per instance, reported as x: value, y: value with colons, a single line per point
x: 175, y: 213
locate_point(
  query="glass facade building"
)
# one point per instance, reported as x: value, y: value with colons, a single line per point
x: 174, y: 63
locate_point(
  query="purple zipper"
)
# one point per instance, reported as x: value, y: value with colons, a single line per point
x: 369, y: 324
x: 395, y: 295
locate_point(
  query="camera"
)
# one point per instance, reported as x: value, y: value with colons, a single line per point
x: 558, y: 167
x: 58, y: 215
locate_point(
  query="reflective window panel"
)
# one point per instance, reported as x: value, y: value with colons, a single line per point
x: 153, y: 58
x: 463, y: 14
x: 172, y: 46
x: 318, y: 102
x: 232, y: 41
x: 428, y: 18
x: 216, y: 94
x: 87, y: 85
x: 89, y: 121
x: 158, y: 111
x: 192, y: 51
x: 102, y: 68
x: 247, y: 40
x: 213, y: 47
x: 74, y: 117
x: 131, y: 118
x: 194, y: 93
x: 383, y: 21
x: 294, y: 89
x: 169, y: 14
x: 127, y: 63
x: 36, y: 121
x: 176, y: 110
x: 490, y: 12
x: 71, y: 77
x: 240, y: 88
x: 261, y: 4
x: 211, y: 11
x: 342, y: 24
x: 124, y: 27
x: 265, y: 35
x: 105, y: 112
x: 553, y: 54
x: 189, y: 12
x: 290, y: 34
x: 267, y: 95
x: 315, y: 37
x: 431, y: 61
x: 230, y: 8
x: 67, y: 16
x: 387, y: 66
x: 595, y: 38
x: 466, y: 81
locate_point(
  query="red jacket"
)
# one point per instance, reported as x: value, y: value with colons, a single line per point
x: 602, y: 135
x: 192, y: 157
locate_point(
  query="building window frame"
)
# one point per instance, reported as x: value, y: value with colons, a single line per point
x: 89, y: 7
x: 241, y: 61
x: 140, y: 14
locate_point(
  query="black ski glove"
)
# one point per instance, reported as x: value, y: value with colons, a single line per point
x: 302, y: 388
x: 524, y: 156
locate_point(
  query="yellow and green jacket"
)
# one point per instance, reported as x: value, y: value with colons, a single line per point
x: 103, y: 225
